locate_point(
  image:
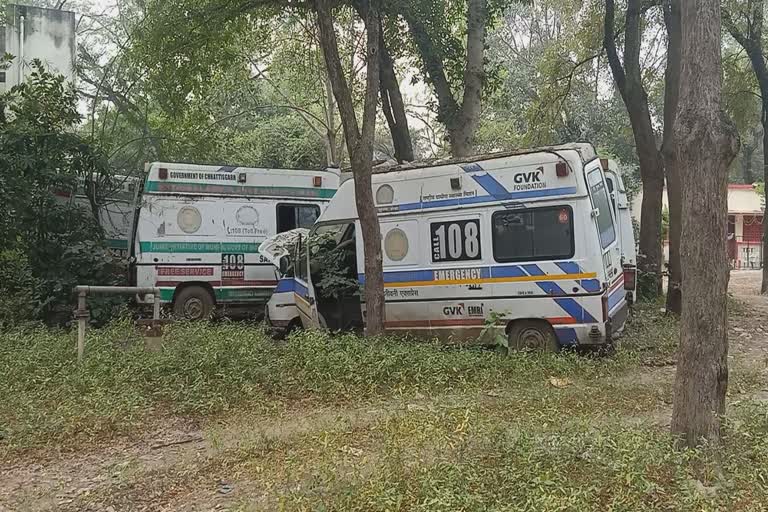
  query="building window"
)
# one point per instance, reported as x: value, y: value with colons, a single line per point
x: 532, y: 235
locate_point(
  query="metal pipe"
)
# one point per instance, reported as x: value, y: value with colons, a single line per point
x: 82, y: 321
x: 82, y: 307
x: 22, y: 35
x: 120, y: 290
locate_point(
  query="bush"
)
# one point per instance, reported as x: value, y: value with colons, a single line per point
x: 51, y: 237
x: 20, y: 291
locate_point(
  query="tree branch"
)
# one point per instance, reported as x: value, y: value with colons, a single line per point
x: 609, y: 43
x: 330, y: 47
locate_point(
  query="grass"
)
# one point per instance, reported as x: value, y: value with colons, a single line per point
x: 408, y: 426
x: 205, y: 370
x: 485, y: 459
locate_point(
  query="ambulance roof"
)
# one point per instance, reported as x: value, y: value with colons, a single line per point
x: 226, y: 180
x: 515, y: 177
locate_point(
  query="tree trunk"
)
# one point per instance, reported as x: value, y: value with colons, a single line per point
x: 331, y: 149
x: 748, y: 149
x: 650, y: 257
x: 752, y: 42
x: 460, y: 136
x: 462, y: 130
x: 764, y: 284
x: 628, y: 80
x: 393, y: 106
x: 360, y: 148
x: 460, y: 121
x: 706, y: 143
x: 674, y: 187
x: 392, y: 103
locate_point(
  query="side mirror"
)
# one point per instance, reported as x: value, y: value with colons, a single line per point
x: 284, y: 264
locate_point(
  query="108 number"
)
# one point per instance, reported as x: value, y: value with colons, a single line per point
x: 456, y: 240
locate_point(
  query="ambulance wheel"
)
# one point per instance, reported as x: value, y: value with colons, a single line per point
x: 532, y: 335
x: 193, y: 303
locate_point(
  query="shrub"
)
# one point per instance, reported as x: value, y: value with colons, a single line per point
x: 20, y: 290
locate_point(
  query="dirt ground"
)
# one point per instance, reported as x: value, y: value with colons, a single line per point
x: 123, y: 475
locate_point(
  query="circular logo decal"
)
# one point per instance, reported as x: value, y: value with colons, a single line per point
x: 385, y: 195
x: 563, y: 216
x: 396, y: 244
x: 189, y: 219
x: 247, y: 215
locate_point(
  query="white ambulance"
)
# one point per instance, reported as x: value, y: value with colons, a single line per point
x: 198, y: 228
x: 115, y: 208
x: 536, y: 246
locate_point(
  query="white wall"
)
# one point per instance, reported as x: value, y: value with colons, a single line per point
x: 741, y: 199
x: 38, y: 33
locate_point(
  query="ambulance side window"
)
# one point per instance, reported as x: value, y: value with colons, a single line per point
x: 301, y: 259
x: 601, y: 203
x: 611, y: 193
x: 292, y: 216
x: 533, y: 234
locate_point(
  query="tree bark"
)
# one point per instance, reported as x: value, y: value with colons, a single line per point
x: 748, y: 149
x: 392, y: 102
x: 460, y: 121
x: 394, y: 106
x: 628, y: 80
x: 764, y: 283
x: 706, y: 143
x: 331, y: 150
x: 462, y: 132
x: 360, y: 147
x: 674, y: 186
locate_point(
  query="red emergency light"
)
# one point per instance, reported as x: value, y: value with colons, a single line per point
x: 561, y: 168
x: 317, y: 181
x: 630, y: 277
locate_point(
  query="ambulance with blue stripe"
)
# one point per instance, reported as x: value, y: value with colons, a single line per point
x: 536, y: 246
x: 197, y: 230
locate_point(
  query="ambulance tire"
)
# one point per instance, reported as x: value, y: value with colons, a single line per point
x: 532, y: 335
x: 193, y: 303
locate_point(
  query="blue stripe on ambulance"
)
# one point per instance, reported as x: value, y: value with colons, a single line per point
x: 496, y: 272
x: 509, y: 196
x: 533, y: 270
x: 300, y: 289
x: 591, y: 285
x: 570, y: 306
x: 507, y: 271
x: 566, y: 335
x: 570, y: 267
x: 285, y: 285
x: 615, y: 298
x: 491, y: 185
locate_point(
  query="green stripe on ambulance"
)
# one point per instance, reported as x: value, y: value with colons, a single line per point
x: 239, y: 190
x: 199, y: 247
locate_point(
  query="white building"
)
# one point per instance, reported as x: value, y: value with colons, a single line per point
x: 37, y: 33
x: 745, y: 225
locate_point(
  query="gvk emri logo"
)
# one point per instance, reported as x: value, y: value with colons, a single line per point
x: 529, y: 180
x: 460, y: 310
